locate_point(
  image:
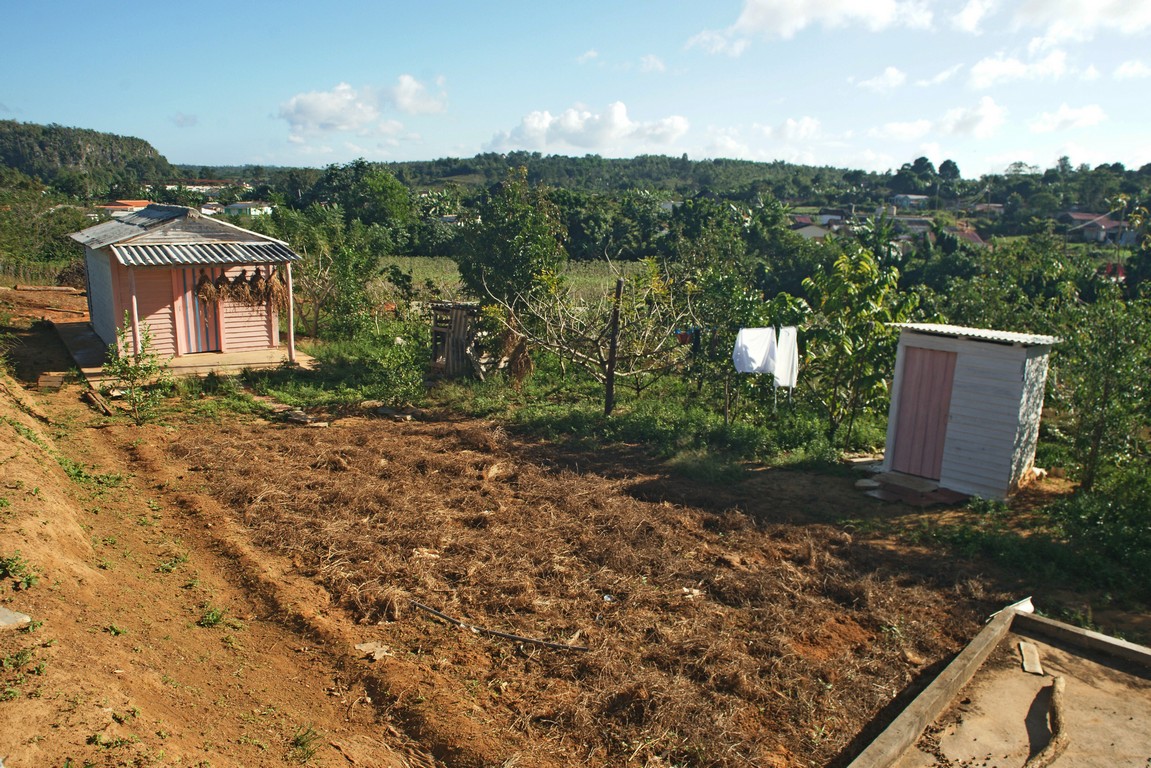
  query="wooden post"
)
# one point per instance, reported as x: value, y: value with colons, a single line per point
x: 727, y: 400
x: 613, y: 349
x: 135, y: 311
x: 291, y: 317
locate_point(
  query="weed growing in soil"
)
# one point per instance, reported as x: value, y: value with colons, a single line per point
x: 171, y: 564
x: 303, y: 744
x: 14, y: 671
x: 24, y: 574
x: 94, y: 481
x: 211, y: 617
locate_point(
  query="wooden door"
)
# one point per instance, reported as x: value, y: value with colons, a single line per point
x: 200, y: 322
x: 921, y: 416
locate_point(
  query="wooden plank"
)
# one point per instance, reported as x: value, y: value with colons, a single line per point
x: 906, y: 729
x: 1030, y: 653
x: 50, y: 382
x: 1030, y: 624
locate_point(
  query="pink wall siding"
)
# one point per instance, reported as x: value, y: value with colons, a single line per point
x: 246, y: 327
x: 169, y: 307
x: 153, y: 302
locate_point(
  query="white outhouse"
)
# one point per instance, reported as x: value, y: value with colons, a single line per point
x: 965, y: 406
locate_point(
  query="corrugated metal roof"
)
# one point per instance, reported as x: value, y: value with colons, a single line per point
x: 979, y: 334
x: 203, y: 253
x: 128, y: 226
x: 172, y: 235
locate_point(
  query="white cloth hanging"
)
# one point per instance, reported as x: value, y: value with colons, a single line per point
x: 787, y: 357
x: 754, y: 350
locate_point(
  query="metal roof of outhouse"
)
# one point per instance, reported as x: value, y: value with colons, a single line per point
x: 980, y: 334
x: 172, y: 235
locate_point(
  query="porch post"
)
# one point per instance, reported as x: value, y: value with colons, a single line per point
x: 135, y: 310
x: 291, y: 318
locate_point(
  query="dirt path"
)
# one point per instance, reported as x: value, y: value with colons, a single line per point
x: 149, y: 645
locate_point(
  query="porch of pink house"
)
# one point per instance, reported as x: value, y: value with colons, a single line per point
x: 90, y: 353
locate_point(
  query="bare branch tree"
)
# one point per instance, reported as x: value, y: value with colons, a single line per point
x: 578, y: 330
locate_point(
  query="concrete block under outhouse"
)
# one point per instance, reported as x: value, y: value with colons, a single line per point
x: 965, y: 406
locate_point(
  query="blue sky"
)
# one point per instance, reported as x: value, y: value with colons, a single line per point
x: 851, y: 83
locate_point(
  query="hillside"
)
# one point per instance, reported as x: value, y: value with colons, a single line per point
x: 55, y: 153
x: 154, y: 641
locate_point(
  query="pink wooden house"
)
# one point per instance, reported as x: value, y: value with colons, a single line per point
x: 965, y: 406
x: 173, y: 269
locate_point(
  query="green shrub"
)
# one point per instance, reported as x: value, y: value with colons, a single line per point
x: 388, y: 365
x: 1112, y: 521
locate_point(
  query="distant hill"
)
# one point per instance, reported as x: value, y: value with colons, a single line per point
x: 58, y: 155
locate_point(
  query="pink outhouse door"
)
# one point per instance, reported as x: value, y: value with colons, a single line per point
x: 199, y: 325
x: 921, y: 417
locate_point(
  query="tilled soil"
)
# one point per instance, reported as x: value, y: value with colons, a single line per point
x: 707, y: 625
x: 713, y: 636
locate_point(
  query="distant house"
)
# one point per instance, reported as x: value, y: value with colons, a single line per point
x: 910, y: 201
x: 184, y: 275
x: 968, y: 236
x: 248, y: 208
x: 833, y: 216
x: 124, y: 207
x: 913, y: 225
x: 811, y: 232
x: 1094, y: 228
x: 207, y: 187
x: 212, y: 209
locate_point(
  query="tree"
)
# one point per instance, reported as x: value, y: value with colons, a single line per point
x: 339, y: 260
x: 1101, y: 380
x: 514, y: 243
x: 369, y: 193
x: 139, y: 374
x: 850, y: 343
x: 949, y: 171
x: 628, y: 335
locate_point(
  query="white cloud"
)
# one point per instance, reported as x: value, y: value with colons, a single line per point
x: 411, y: 97
x: 998, y: 69
x: 610, y: 131
x: 587, y: 56
x: 727, y: 143
x: 1131, y: 70
x: 790, y: 130
x: 180, y: 120
x: 719, y: 42
x: 941, y: 77
x: 972, y: 13
x: 652, y: 63
x: 783, y: 19
x: 341, y: 109
x: 1068, y: 117
x: 903, y: 131
x: 345, y: 109
x: 1089, y: 74
x: 891, y: 79
x: 1081, y: 20
x: 980, y: 121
